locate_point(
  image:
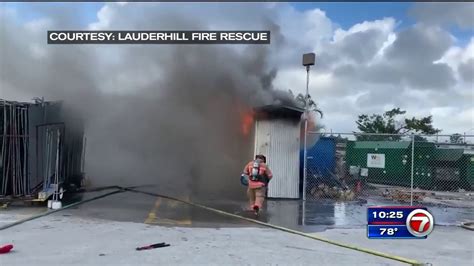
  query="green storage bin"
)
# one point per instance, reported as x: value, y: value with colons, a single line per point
x: 396, y: 170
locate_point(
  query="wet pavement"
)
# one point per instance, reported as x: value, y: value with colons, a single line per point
x: 310, y: 216
x: 141, y: 208
x: 120, y: 222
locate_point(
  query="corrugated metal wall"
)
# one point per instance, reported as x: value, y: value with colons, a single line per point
x: 278, y: 139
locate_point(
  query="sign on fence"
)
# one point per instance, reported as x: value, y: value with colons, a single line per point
x: 375, y: 160
x: 364, y: 172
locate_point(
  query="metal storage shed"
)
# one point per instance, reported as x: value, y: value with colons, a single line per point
x: 39, y: 144
x: 277, y: 135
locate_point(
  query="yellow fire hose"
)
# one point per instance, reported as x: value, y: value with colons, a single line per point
x: 284, y: 229
x: 288, y: 230
x: 468, y: 225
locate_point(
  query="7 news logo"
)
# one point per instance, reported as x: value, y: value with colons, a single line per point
x: 399, y: 222
x: 420, y: 223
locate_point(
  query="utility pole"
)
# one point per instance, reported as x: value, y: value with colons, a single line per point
x: 308, y: 60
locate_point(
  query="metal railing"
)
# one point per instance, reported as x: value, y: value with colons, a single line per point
x: 13, y: 148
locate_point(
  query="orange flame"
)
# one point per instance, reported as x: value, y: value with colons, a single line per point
x: 246, y: 117
x: 247, y: 122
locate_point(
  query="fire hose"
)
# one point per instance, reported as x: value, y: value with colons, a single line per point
x: 281, y: 228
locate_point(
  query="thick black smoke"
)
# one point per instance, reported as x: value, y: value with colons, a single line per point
x: 164, y: 115
x: 185, y: 133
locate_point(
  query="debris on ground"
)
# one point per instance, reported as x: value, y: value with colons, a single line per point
x: 456, y: 199
x: 404, y: 195
x: 454, y: 203
x: 325, y: 191
x: 6, y: 249
x: 158, y: 245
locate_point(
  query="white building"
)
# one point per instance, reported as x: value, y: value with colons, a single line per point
x: 277, y: 136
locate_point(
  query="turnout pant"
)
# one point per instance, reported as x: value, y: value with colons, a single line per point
x: 256, y: 196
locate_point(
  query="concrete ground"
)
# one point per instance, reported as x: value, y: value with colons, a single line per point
x: 59, y: 240
x: 107, y: 231
x: 447, y: 245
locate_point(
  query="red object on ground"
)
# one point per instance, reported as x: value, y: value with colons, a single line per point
x: 6, y: 249
x: 359, y: 187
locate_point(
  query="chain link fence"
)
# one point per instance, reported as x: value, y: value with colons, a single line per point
x: 402, y: 168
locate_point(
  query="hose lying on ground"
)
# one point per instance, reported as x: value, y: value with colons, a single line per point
x: 288, y: 230
x: 468, y: 225
x: 63, y: 208
x: 118, y: 190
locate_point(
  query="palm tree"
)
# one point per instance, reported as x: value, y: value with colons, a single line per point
x: 313, y: 106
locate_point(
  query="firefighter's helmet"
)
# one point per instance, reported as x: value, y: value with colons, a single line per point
x: 261, y: 157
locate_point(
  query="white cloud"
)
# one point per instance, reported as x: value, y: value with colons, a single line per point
x: 460, y: 14
x: 392, y: 37
x: 105, y: 15
x: 457, y: 120
x: 369, y: 67
x: 385, y: 25
x: 38, y: 24
x: 460, y: 59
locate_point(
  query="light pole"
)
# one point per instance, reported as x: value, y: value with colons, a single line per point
x: 308, y: 60
x: 465, y: 140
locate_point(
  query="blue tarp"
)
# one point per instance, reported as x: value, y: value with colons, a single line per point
x: 321, y: 158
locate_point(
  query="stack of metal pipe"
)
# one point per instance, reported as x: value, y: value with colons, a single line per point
x: 14, y: 149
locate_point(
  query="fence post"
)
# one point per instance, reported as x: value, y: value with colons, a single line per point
x: 306, y: 111
x: 305, y: 157
x: 303, y: 212
x: 412, y: 167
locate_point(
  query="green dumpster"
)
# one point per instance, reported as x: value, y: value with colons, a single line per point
x: 383, y: 162
x: 449, y: 168
x: 389, y: 163
x: 422, y: 172
x: 467, y: 177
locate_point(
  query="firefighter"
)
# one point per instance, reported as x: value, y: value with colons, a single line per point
x: 259, y: 175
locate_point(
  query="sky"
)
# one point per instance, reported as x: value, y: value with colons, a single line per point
x: 370, y: 56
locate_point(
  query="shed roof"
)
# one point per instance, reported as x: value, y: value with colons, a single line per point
x: 280, y: 111
x: 381, y: 144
